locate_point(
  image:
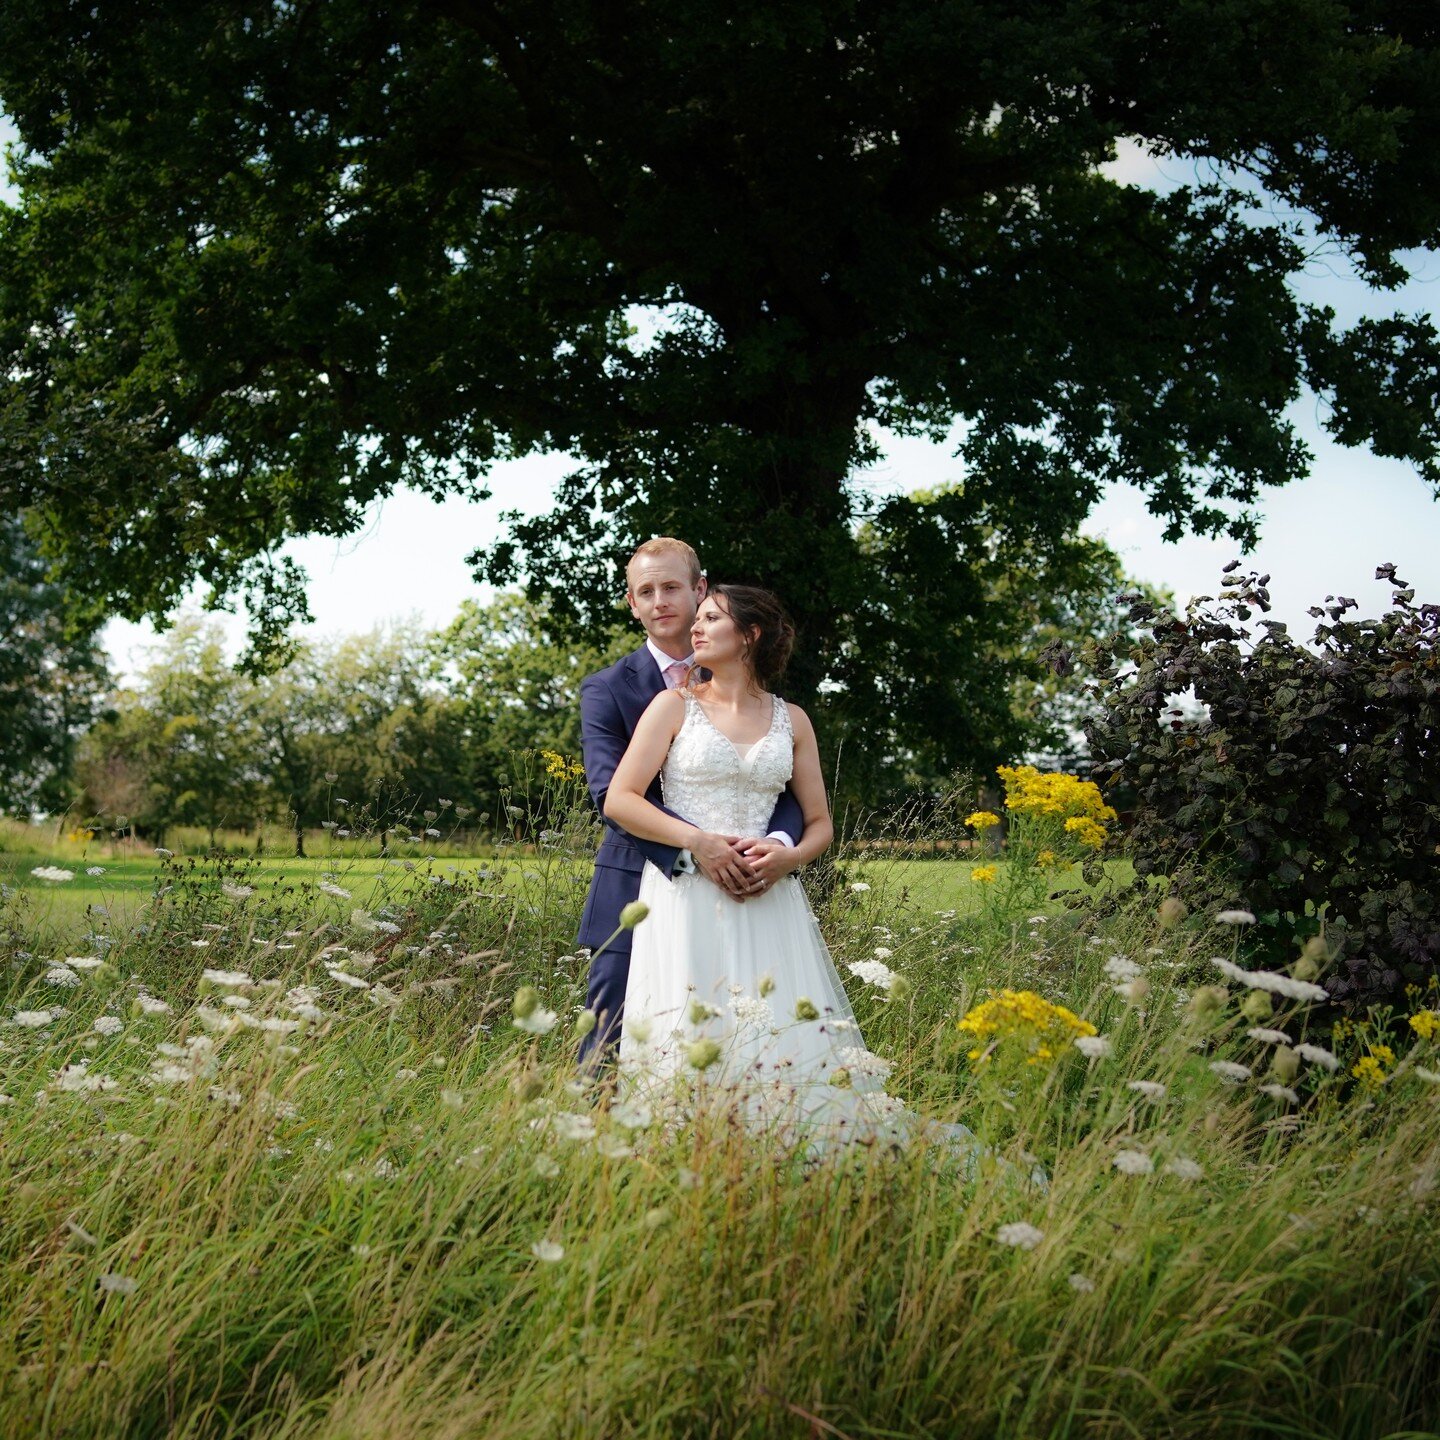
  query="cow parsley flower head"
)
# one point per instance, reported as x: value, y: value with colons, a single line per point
x: 1267, y: 1036
x: 53, y: 874
x: 1271, y: 980
x: 1093, y: 1047
x: 874, y: 972
x: 1230, y: 1072
x: 1150, y: 1089
x: 62, y: 976
x: 1317, y: 1055
x: 1134, y: 1162
x: 1021, y: 1234
x: 1183, y: 1168
x: 547, y: 1251
x: 1235, y: 917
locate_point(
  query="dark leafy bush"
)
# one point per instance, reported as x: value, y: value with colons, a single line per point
x: 1304, y: 785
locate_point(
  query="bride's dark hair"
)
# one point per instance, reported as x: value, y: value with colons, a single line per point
x: 757, y: 610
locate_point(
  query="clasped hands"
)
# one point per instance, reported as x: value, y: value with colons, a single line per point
x: 742, y: 866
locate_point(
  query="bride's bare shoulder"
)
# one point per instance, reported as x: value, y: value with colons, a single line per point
x: 799, y: 720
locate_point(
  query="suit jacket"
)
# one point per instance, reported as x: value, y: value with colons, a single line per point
x: 611, y: 704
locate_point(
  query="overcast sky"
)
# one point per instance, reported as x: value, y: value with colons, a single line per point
x: 1324, y: 534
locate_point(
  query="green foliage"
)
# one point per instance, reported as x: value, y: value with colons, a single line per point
x: 271, y: 262
x: 52, y: 677
x: 945, y: 671
x: 1309, y: 789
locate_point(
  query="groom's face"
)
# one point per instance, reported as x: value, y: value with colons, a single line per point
x: 664, y: 600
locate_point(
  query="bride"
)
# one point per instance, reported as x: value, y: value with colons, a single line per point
x: 745, y: 991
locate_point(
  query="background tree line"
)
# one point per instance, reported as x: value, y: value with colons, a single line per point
x: 404, y: 716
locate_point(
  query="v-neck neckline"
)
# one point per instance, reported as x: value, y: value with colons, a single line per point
x: 745, y: 754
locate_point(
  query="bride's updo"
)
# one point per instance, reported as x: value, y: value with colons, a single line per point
x: 754, y: 609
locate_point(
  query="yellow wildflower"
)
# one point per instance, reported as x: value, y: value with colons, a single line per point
x: 561, y: 768
x: 1030, y: 792
x: 982, y: 820
x: 1370, y: 1070
x: 1425, y: 1023
x: 1086, y: 831
x: 983, y: 874
x: 1042, y: 1028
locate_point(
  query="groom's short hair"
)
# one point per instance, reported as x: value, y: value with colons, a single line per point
x: 665, y: 545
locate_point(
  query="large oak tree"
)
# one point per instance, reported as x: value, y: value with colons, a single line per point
x: 273, y: 259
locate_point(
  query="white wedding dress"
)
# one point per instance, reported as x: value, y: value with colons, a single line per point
x: 705, y: 967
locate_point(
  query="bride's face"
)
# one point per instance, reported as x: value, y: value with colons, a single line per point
x: 714, y: 635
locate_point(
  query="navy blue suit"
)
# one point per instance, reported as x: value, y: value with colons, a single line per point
x: 611, y: 704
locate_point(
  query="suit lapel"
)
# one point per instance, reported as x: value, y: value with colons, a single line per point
x: 643, y: 676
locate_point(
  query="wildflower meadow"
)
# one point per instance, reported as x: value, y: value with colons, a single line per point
x: 312, y: 1159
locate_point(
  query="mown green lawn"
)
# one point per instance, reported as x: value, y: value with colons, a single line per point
x: 115, y: 896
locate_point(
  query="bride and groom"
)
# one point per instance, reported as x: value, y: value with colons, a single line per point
x: 711, y: 789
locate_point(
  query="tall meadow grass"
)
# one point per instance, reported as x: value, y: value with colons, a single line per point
x: 329, y: 1188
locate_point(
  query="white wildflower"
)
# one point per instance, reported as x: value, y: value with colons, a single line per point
x: 1268, y: 1036
x: 874, y: 972
x: 108, y: 1024
x: 1275, y: 983
x: 62, y: 976
x: 613, y: 1148
x: 546, y: 1167
x: 631, y: 1115
x: 1431, y: 1077
x: 345, y: 978
x: 53, y: 873
x: 860, y: 1061
x: 1183, y: 1168
x: 1093, y: 1047
x: 163, y: 853
x: 539, y: 1021
x: 1021, y: 1234
x: 330, y: 888
x: 1280, y: 1092
x: 547, y: 1251
x: 1150, y: 1089
x: 1235, y: 917
x: 84, y: 962
x: 236, y: 892
x: 883, y: 952
x: 118, y: 1284
x: 570, y: 1126
x: 384, y: 1169
x: 1133, y: 1162
x: 33, y: 1019
x: 1230, y: 1072
x: 1122, y: 970
x: 1317, y: 1055
x: 750, y: 1011
x: 149, y: 1005
x: 1081, y: 1284
x: 859, y: 887
x: 94, y: 869
x: 226, y: 978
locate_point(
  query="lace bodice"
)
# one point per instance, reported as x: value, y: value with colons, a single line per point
x: 709, y: 781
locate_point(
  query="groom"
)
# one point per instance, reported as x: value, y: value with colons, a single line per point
x: 664, y: 587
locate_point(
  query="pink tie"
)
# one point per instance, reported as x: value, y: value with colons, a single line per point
x: 675, y: 673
